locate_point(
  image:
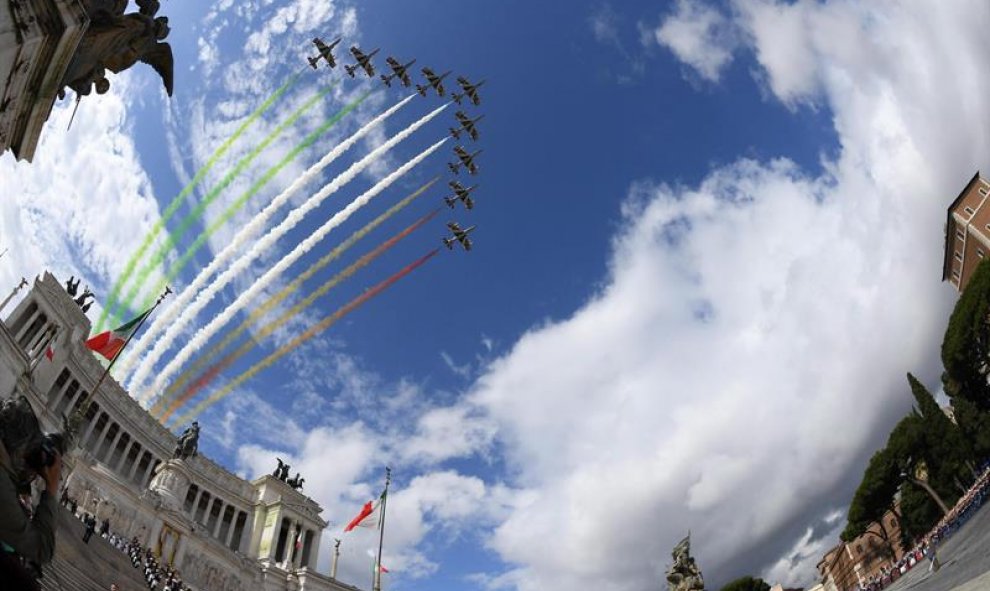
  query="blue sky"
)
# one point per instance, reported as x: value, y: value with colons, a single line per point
x: 696, y: 225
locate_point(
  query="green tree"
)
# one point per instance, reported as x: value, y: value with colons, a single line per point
x: 747, y: 584
x: 919, y: 513
x: 966, y: 345
x: 974, y: 424
x: 946, y: 451
x: 874, y: 496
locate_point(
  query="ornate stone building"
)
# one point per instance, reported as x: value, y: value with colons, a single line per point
x: 38, y: 39
x: 221, y: 532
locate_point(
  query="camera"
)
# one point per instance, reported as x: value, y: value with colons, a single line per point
x: 43, y: 454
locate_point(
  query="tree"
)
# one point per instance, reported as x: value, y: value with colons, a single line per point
x: 874, y: 496
x: 966, y: 345
x: 919, y: 513
x: 974, y: 424
x: 947, y: 453
x: 747, y: 583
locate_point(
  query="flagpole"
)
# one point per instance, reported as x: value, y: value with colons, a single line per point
x: 381, y: 531
x: 79, y: 415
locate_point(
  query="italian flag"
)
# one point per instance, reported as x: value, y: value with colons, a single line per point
x: 110, y: 343
x: 368, y: 517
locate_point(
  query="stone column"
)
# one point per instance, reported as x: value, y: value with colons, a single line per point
x: 102, y: 436
x: 290, y: 545
x: 92, y: 425
x: 27, y: 325
x: 53, y: 403
x: 137, y: 462
x: 245, y: 537
x: 216, y: 528
x: 147, y: 471
x: 233, y: 526
x: 199, y: 495
x: 123, y: 456
x: 113, y: 445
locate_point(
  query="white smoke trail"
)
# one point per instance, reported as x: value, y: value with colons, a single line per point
x: 203, y: 335
x: 243, y: 237
x: 188, y: 314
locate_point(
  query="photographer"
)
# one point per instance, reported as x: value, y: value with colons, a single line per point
x: 25, y: 454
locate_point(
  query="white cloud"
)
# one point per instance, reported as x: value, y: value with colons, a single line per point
x: 699, y: 36
x: 84, y: 200
x: 748, y: 350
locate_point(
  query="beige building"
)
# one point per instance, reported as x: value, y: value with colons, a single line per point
x: 221, y: 532
x: 967, y: 232
x: 849, y: 564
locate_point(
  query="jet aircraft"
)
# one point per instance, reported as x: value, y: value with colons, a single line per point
x: 398, y: 71
x: 326, y: 52
x: 467, y: 124
x: 471, y: 90
x: 433, y: 81
x: 459, y: 236
x: 466, y: 160
x: 460, y: 194
x: 363, y: 61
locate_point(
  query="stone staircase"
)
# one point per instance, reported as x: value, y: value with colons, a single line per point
x: 87, y: 567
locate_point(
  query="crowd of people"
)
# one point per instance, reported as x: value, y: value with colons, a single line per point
x: 158, y: 577
x: 927, y: 546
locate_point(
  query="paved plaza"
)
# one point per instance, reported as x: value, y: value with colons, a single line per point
x: 965, y: 559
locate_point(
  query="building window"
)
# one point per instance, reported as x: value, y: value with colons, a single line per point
x: 983, y: 191
x: 955, y: 274
x: 893, y: 522
x: 969, y: 210
x: 962, y: 235
x: 859, y: 549
x: 979, y: 252
x: 958, y: 256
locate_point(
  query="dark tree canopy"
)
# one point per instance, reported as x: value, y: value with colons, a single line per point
x: 875, y: 494
x: 966, y: 345
x: 974, y: 425
x: 747, y: 583
x: 946, y: 451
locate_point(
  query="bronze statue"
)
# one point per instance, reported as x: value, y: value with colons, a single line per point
x: 282, y: 471
x: 72, y: 288
x: 81, y: 300
x: 116, y: 41
x: 188, y: 443
x: 297, y: 482
x: 684, y: 574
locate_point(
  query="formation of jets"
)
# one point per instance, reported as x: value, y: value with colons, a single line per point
x: 466, y: 125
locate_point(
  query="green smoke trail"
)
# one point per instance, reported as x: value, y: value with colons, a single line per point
x: 112, y: 302
x: 309, y: 140
x: 197, y: 212
x: 286, y: 291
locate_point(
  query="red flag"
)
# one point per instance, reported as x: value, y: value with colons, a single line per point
x: 50, y: 353
x: 368, y: 517
x: 110, y: 343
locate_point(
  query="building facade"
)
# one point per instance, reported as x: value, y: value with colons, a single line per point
x: 221, y: 532
x: 854, y: 563
x: 967, y: 232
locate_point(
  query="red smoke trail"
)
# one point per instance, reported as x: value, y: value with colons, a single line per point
x: 305, y: 336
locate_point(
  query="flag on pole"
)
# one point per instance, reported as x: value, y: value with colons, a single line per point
x: 369, y: 515
x: 110, y: 343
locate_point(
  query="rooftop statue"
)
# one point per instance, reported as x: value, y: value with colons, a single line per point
x: 116, y: 41
x: 188, y: 443
x: 684, y: 574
